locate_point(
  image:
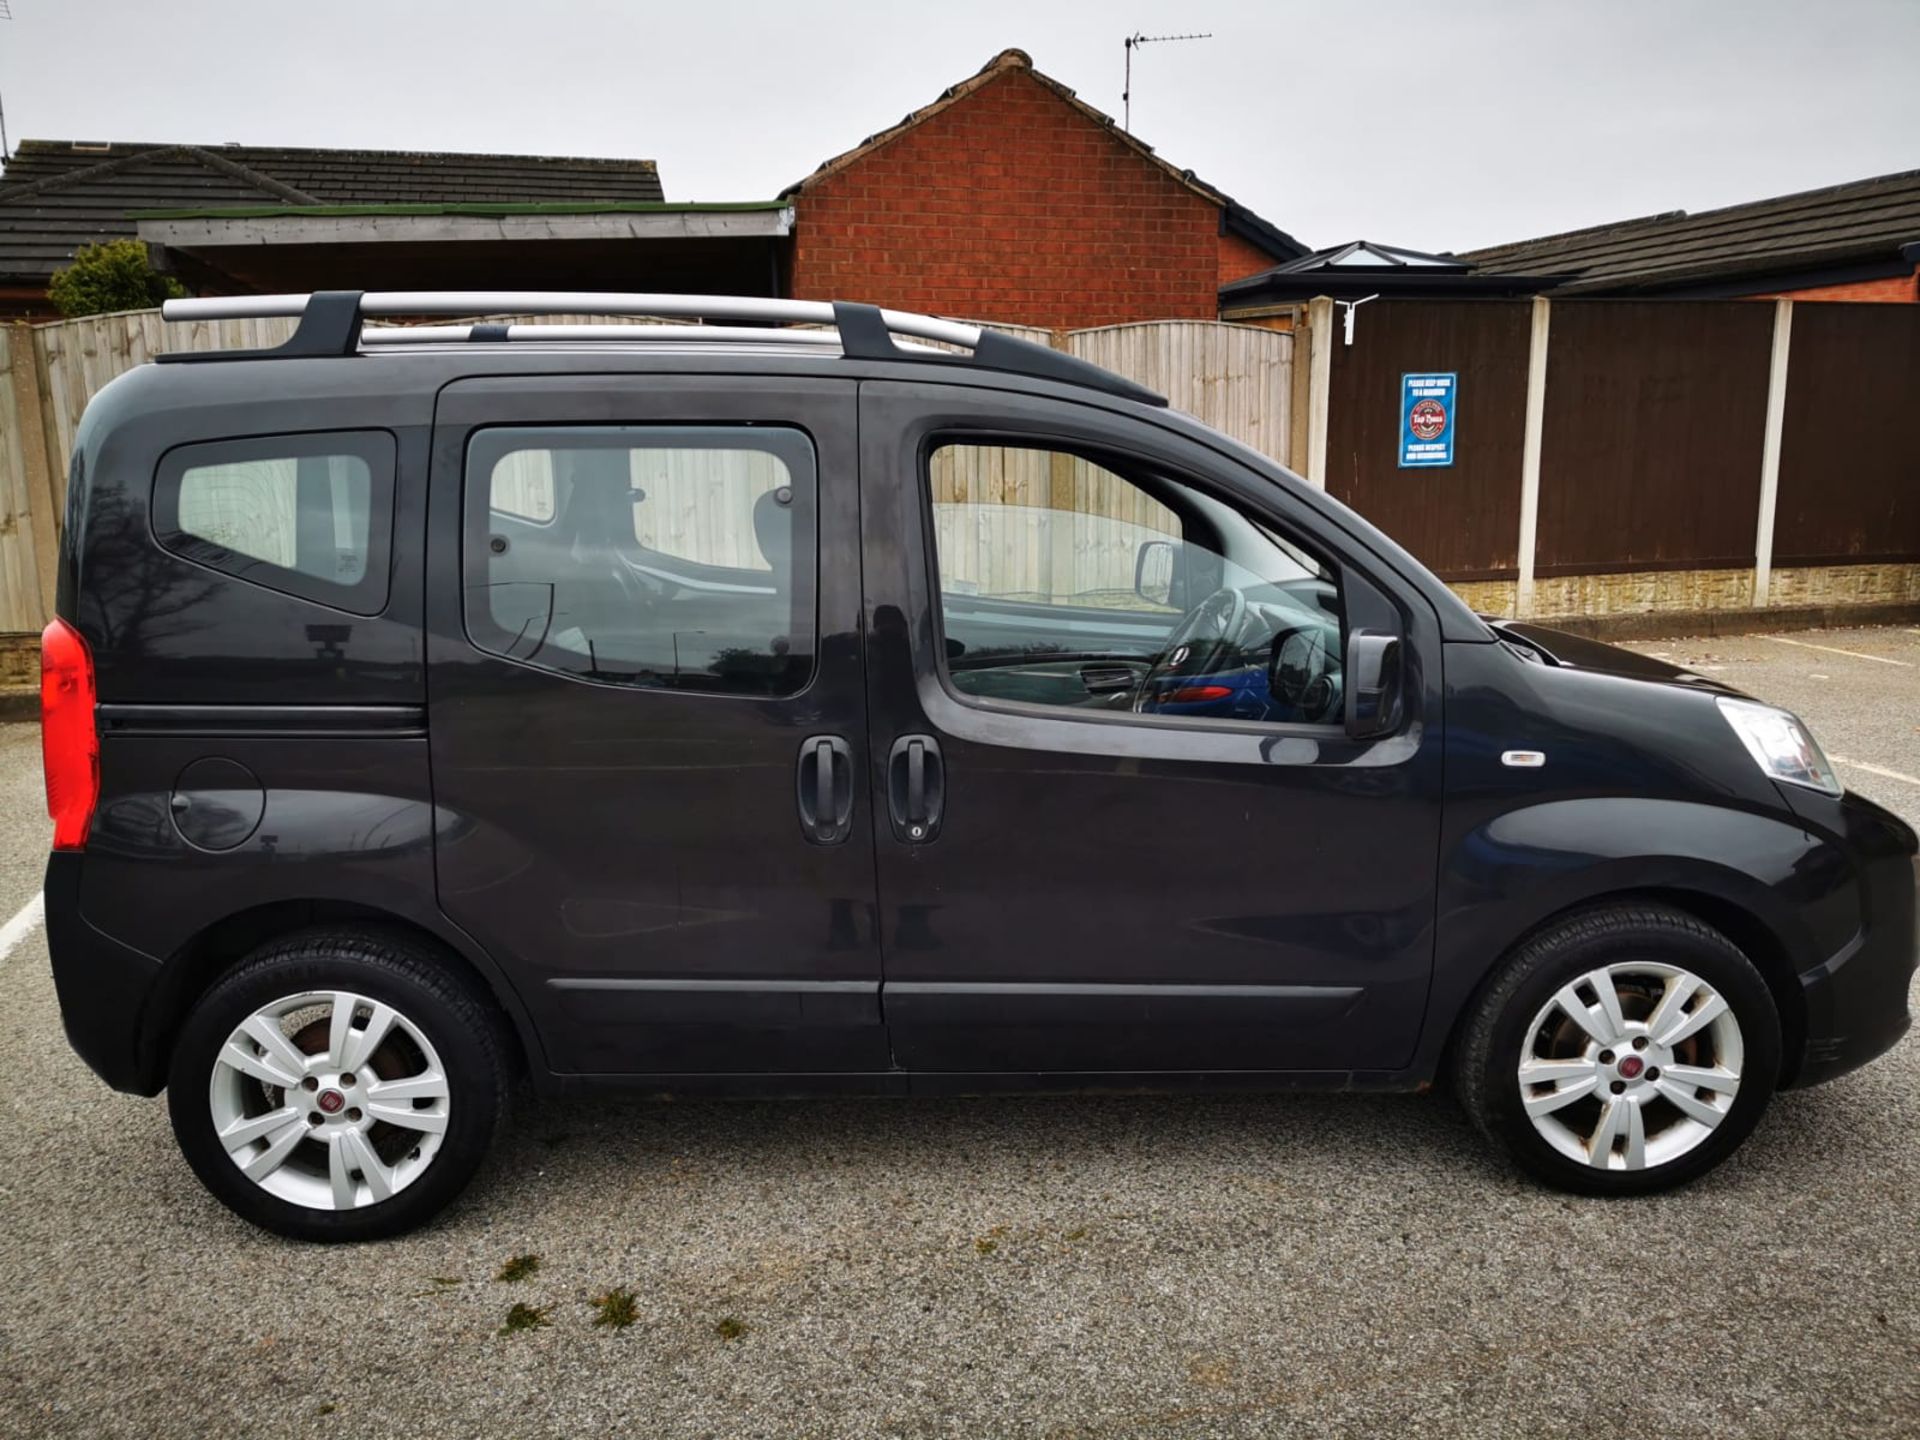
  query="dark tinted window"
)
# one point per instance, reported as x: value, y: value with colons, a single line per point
x: 308, y: 514
x: 676, y: 557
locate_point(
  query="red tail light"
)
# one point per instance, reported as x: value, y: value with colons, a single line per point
x: 69, y: 745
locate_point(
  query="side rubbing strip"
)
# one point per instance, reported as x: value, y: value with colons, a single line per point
x: 716, y: 987
x: 998, y: 1003
x: 281, y: 720
x: 1015, y: 989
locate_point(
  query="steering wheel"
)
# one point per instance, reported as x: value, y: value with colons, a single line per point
x: 1216, y: 621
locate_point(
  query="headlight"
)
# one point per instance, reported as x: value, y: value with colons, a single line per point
x: 1780, y: 744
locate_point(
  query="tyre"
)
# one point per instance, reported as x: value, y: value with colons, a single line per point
x: 1621, y: 1051
x: 340, y: 1084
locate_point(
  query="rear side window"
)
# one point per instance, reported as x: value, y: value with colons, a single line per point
x: 310, y: 515
x: 671, y: 557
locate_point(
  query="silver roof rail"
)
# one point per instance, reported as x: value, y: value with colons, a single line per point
x: 385, y: 335
x: 331, y: 324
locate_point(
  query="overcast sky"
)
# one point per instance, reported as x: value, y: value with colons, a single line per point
x: 1437, y: 125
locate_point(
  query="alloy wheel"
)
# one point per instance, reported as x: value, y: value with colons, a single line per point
x: 329, y: 1099
x: 1631, y: 1065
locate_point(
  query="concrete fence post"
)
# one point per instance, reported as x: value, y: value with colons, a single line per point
x: 1319, y: 383
x: 36, y: 492
x: 1770, y: 451
x: 1535, y: 423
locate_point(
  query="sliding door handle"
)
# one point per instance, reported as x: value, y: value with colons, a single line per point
x: 916, y: 788
x: 823, y: 786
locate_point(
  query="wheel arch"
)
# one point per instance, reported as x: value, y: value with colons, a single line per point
x: 1749, y: 932
x: 1763, y: 946
x: 195, y: 966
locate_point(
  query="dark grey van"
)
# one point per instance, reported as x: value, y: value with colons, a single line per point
x: 789, y: 705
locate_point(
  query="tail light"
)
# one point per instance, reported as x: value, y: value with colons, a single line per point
x: 1196, y: 694
x: 69, y: 745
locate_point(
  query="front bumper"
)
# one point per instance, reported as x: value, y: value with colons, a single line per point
x: 1856, y: 1001
x: 105, y: 988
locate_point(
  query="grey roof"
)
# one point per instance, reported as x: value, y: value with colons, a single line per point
x: 57, y: 195
x: 1368, y: 268
x: 1860, y: 221
x: 1370, y: 255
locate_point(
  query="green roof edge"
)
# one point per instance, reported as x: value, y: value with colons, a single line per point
x: 545, y: 207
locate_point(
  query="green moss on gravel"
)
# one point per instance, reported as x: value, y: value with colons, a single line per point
x: 518, y: 1268
x: 616, y: 1309
x: 525, y: 1317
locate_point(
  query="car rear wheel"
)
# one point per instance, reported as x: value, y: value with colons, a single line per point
x: 1624, y: 1050
x: 338, y: 1085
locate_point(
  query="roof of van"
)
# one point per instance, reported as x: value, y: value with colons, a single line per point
x: 333, y: 323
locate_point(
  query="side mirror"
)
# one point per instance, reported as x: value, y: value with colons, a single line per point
x: 1372, y: 684
x: 1153, y: 572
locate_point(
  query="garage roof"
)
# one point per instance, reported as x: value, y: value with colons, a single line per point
x: 1863, y: 220
x: 57, y: 195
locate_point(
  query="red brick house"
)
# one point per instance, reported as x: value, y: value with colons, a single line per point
x: 1008, y: 198
x: 1012, y: 198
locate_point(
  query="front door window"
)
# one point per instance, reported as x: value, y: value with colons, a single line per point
x: 1089, y: 584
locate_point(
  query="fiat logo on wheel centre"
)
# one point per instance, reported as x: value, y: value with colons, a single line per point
x: 331, y: 1101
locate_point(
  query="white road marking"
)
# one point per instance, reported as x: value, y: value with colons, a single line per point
x: 1880, y: 770
x: 1836, y: 650
x: 28, y: 921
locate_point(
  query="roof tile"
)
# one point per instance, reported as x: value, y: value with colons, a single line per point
x: 56, y: 196
x: 1855, y: 221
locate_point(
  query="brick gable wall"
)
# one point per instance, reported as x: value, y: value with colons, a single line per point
x: 1239, y: 259
x: 1012, y: 205
x: 1896, y: 289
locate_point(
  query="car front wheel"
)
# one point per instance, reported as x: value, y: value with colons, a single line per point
x: 338, y: 1085
x: 1624, y: 1050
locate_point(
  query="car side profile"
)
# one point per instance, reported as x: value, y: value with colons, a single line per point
x: 786, y: 705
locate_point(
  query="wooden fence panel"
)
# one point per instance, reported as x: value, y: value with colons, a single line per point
x: 1655, y: 421
x: 1463, y: 519
x: 1849, y: 467
x: 1236, y: 378
x: 1030, y: 524
x: 78, y: 357
x: 22, y: 517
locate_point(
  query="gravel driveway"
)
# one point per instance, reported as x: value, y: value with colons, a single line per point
x: 1295, y: 1265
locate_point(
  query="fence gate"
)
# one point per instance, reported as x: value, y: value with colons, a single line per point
x: 1236, y: 378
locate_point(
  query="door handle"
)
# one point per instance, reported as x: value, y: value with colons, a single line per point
x: 823, y: 787
x: 916, y: 788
